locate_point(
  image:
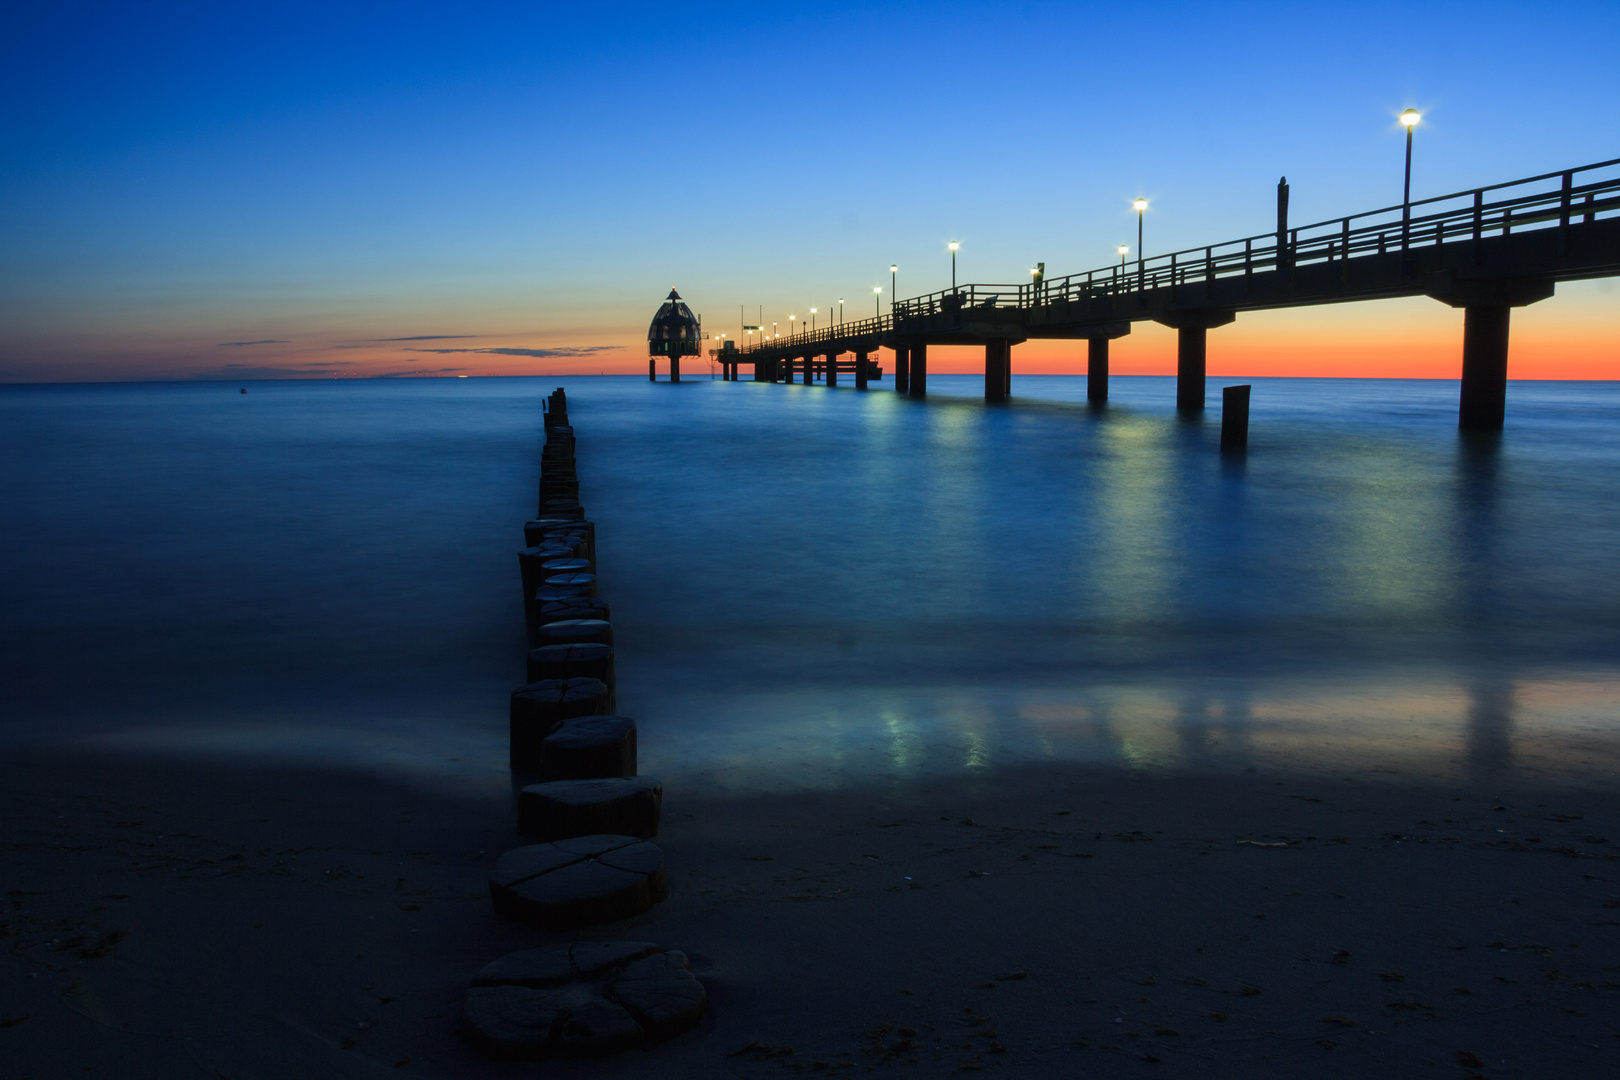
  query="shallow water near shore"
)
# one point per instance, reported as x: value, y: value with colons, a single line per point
x: 815, y: 587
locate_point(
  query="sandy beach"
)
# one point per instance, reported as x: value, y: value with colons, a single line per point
x: 167, y: 919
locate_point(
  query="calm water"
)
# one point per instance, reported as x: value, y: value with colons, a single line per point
x: 811, y: 587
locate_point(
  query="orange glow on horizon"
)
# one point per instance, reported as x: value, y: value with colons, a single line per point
x: 1575, y: 335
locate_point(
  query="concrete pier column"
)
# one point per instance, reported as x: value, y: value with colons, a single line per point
x: 997, y: 359
x: 674, y: 369
x: 1483, y: 403
x: 860, y: 370
x: 1193, y: 325
x: 832, y: 369
x: 652, y: 370
x: 1191, y: 342
x: 919, y: 370
x: 1097, y: 370
x: 809, y: 370
x: 902, y: 369
x: 1485, y: 303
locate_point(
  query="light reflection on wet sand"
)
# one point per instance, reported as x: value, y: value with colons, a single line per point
x: 1548, y: 727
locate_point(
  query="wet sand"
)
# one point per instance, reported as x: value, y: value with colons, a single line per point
x: 168, y: 919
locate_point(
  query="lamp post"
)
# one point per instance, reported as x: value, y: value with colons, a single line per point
x: 877, y: 301
x: 953, y: 245
x: 812, y: 320
x: 894, y: 282
x: 840, y: 311
x: 1140, y: 206
x: 1124, y: 249
x: 1409, y: 120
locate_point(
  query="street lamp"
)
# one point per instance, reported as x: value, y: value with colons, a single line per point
x: 791, y: 320
x: 812, y: 320
x: 953, y: 245
x: 1123, y: 251
x: 877, y: 301
x: 840, y: 311
x: 1409, y: 120
x: 894, y: 284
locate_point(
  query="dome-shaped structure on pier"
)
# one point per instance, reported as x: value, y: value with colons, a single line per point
x: 674, y: 331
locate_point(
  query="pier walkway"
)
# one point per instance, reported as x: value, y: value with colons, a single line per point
x: 1486, y: 250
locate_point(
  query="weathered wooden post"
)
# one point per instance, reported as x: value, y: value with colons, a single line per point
x: 1234, y: 419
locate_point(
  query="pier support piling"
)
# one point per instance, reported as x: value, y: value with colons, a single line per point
x: 652, y: 370
x: 919, y: 370
x: 1191, y: 343
x: 902, y: 370
x: 860, y: 370
x: 1486, y: 304
x: 832, y: 369
x: 1192, y: 326
x: 674, y: 369
x: 997, y: 369
x: 1482, y: 404
x: 1097, y: 370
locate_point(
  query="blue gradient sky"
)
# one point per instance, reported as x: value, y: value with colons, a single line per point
x: 312, y: 178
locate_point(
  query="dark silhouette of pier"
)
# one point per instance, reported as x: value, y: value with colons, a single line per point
x: 1486, y: 250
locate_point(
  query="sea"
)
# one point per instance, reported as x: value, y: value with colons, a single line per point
x: 817, y: 587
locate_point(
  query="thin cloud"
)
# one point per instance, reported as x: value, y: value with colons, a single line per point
x: 266, y: 341
x: 424, y: 337
x: 544, y: 354
x: 424, y: 371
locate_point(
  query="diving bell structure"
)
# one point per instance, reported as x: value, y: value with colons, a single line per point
x: 675, y: 332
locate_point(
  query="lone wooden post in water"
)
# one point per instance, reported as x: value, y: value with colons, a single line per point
x: 1234, y: 419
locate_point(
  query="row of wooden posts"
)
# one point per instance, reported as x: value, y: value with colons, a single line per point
x: 572, y: 755
x: 587, y: 807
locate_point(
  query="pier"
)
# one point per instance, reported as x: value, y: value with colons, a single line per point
x: 1486, y: 250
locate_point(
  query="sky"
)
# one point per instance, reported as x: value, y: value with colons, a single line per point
x: 240, y: 191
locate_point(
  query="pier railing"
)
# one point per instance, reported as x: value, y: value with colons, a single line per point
x: 1548, y: 201
x: 844, y: 331
x: 1551, y: 200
